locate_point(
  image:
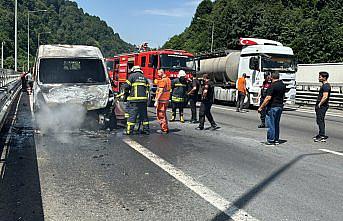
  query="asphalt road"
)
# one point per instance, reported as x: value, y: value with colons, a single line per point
x: 185, y: 175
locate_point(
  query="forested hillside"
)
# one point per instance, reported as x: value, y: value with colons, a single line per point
x: 313, y: 28
x: 63, y: 23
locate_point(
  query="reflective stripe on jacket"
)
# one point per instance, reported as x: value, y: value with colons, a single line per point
x: 138, y: 86
x: 179, y: 90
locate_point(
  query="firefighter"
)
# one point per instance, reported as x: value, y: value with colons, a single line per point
x: 179, y: 91
x: 162, y: 100
x: 206, y: 104
x: 137, y: 88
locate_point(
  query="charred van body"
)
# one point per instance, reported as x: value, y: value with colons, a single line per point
x: 73, y: 75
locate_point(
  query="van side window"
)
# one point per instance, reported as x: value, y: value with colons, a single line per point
x: 143, y: 61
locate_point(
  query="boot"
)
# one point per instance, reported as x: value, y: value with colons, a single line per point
x: 214, y: 126
x: 172, y: 118
x: 182, y: 120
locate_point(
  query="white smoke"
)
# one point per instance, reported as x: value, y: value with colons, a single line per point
x: 61, y: 120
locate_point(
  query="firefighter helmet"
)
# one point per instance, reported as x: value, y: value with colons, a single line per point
x: 136, y: 69
x: 182, y: 73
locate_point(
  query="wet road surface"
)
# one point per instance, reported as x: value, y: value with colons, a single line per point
x: 185, y: 175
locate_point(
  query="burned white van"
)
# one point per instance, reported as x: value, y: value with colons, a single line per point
x: 72, y: 75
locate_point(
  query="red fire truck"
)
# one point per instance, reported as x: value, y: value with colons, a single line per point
x: 171, y: 61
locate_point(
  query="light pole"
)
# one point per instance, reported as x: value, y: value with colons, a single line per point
x: 28, y: 35
x: 212, y: 34
x: 15, y: 35
x: 42, y: 33
x: 2, y: 55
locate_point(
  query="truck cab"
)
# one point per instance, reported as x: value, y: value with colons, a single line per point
x: 261, y: 55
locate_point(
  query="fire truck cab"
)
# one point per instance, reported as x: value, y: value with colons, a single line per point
x: 171, y: 61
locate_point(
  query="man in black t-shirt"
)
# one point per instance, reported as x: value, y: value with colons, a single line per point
x: 206, y: 104
x: 274, y: 103
x: 322, y: 105
x: 193, y: 98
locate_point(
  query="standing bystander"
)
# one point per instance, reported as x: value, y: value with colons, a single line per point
x: 206, y: 104
x: 322, y: 105
x: 29, y: 80
x: 263, y: 93
x: 242, y: 91
x: 193, y: 98
x: 274, y: 100
x: 23, y: 82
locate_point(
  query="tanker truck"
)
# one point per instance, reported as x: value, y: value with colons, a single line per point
x: 256, y: 57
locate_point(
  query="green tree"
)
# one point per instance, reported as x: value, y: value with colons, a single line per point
x: 314, y: 28
x: 66, y: 23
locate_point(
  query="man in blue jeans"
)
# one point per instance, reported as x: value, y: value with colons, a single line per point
x: 274, y: 103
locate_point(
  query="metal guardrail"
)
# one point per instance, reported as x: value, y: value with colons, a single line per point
x: 7, y: 77
x: 9, y: 88
x: 307, y: 95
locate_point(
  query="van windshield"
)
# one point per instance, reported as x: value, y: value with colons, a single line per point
x: 66, y: 70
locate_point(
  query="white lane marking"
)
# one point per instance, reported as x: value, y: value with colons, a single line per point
x: 210, y: 196
x: 297, y: 110
x: 330, y: 151
x: 6, y: 148
x: 223, y: 108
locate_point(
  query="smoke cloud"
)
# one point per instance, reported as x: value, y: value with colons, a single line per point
x: 61, y: 120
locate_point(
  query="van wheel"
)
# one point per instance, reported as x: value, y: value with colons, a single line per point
x: 111, y: 122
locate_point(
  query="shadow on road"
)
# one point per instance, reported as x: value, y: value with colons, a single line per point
x: 20, y: 192
x: 244, y: 200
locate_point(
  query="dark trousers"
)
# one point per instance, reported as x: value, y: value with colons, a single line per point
x: 23, y: 84
x: 263, y: 112
x: 240, y: 101
x: 193, y: 104
x: 320, y: 117
x: 177, y: 105
x: 273, y: 122
x: 137, y: 110
x: 205, y: 110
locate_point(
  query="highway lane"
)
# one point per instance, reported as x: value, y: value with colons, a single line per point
x: 305, y: 175
x: 86, y: 175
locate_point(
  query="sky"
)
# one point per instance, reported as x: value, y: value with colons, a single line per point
x: 138, y: 21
